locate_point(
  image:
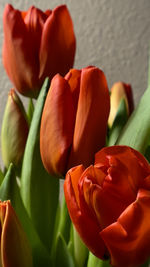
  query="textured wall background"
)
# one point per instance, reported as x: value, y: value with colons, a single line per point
x: 113, y: 35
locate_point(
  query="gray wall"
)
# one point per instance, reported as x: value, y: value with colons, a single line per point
x: 111, y: 34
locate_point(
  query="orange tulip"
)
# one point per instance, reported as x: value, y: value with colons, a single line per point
x: 120, y: 91
x: 109, y: 204
x: 15, y: 250
x: 36, y: 45
x: 74, y: 120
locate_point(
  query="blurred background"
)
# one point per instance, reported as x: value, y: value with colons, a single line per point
x: 113, y: 35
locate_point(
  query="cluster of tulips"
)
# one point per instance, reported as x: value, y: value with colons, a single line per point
x: 76, y: 130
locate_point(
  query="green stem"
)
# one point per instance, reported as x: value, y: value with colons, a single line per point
x: 80, y: 250
x: 93, y: 261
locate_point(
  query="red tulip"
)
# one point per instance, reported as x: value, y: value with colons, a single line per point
x: 120, y: 91
x: 36, y: 45
x: 109, y: 204
x: 15, y: 250
x: 74, y: 120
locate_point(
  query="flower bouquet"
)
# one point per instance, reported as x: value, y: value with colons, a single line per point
x: 74, y: 130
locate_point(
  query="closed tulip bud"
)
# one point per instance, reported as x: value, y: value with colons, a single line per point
x: 15, y: 250
x: 36, y: 45
x: 109, y: 204
x: 120, y: 91
x: 74, y: 120
x: 14, y: 130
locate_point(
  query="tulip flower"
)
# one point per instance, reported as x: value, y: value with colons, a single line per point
x: 15, y: 250
x: 36, y: 45
x: 109, y: 204
x: 14, y: 130
x: 74, y: 120
x: 120, y: 91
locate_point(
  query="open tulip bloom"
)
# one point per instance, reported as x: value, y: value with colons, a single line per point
x: 77, y: 131
x: 109, y: 204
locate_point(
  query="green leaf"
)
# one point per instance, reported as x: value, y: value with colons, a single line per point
x: 147, y: 153
x: 30, y: 110
x: 119, y: 121
x: 9, y: 190
x: 55, y: 232
x: 62, y: 225
x: 146, y: 264
x: 148, y: 81
x: 93, y: 261
x: 1, y: 176
x: 63, y: 256
x: 64, y: 221
x: 136, y: 132
x: 80, y: 250
x: 71, y: 240
x: 39, y: 190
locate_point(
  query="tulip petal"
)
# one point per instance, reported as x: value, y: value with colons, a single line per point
x: 15, y: 250
x: 56, y: 132
x: 91, y: 178
x: 126, y: 170
x: 34, y: 21
x: 57, y: 44
x: 128, y: 239
x: 106, y: 204
x: 19, y: 58
x: 102, y: 194
x: 124, y: 158
x: 76, y: 173
x: 128, y: 90
x: 91, y: 117
x: 85, y: 224
x: 73, y: 78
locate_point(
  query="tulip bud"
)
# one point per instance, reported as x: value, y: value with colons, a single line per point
x: 14, y: 130
x: 15, y: 250
x: 74, y: 119
x: 120, y: 91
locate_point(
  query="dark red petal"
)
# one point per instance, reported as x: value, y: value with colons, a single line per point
x: 128, y: 90
x: 91, y: 117
x: 19, y: 58
x: 128, y: 239
x: 73, y: 77
x: 136, y: 166
x: 57, y: 126
x: 15, y: 249
x: 84, y: 224
x: 57, y: 44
